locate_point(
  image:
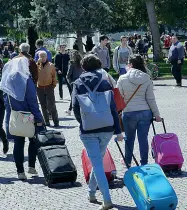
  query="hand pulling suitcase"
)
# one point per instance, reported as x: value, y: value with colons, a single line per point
x: 166, y: 150
x: 56, y: 164
x: 48, y: 138
x: 149, y: 187
x: 109, y: 166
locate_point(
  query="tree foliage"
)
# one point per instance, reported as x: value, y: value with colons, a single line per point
x: 71, y: 16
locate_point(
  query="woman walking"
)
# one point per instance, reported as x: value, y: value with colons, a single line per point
x: 137, y: 89
x: 95, y: 141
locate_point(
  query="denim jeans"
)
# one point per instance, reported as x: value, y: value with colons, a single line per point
x: 122, y: 71
x: 137, y: 121
x: 96, y: 144
x: 18, y: 152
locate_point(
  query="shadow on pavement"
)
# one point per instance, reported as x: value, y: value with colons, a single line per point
x: 165, y: 85
x: 66, y: 185
x: 10, y: 158
x: 66, y: 127
x: 124, y: 207
x: 5, y: 180
x: 66, y: 118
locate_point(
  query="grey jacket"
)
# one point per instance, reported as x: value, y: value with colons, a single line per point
x: 116, y: 57
x: 103, y: 55
x: 144, y: 99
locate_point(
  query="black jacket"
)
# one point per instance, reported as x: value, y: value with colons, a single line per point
x: 61, y: 63
x: 91, y: 79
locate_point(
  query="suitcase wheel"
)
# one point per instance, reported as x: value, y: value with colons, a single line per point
x: 172, y: 206
x: 152, y: 208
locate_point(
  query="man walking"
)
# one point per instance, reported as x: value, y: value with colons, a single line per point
x: 121, y: 56
x: 61, y: 64
x: 176, y: 58
x: 40, y: 47
x: 46, y: 83
x: 103, y: 53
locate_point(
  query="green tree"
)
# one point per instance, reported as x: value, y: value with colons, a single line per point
x: 75, y: 16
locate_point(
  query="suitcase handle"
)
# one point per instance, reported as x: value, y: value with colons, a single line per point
x: 152, y: 122
x: 127, y: 165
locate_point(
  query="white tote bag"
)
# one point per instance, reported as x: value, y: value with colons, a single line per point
x: 21, y: 123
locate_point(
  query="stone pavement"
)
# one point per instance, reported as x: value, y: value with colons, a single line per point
x: 34, y: 195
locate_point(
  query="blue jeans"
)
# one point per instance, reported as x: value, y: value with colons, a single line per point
x: 137, y: 121
x: 122, y: 71
x: 96, y: 144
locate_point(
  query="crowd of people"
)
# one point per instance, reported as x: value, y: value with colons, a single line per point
x: 25, y: 78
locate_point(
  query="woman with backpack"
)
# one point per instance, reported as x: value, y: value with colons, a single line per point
x: 136, y: 88
x: 95, y: 135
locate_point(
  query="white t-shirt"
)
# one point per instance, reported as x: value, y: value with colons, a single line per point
x: 123, y: 56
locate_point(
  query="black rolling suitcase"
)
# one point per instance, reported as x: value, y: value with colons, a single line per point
x: 56, y: 164
x: 48, y: 138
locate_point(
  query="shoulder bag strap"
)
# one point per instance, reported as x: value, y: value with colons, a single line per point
x: 133, y: 94
x: 9, y: 102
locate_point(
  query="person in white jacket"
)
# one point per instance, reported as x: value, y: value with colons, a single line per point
x: 140, y: 109
x: 121, y: 56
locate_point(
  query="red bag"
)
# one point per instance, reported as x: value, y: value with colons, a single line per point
x: 120, y: 103
x: 109, y: 166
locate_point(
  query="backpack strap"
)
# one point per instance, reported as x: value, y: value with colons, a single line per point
x: 88, y: 89
x: 97, y: 85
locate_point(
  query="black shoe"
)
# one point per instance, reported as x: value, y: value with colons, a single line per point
x: 5, y: 147
x: 179, y: 84
x: 47, y: 124
x: 56, y: 125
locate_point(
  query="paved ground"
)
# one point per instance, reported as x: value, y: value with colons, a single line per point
x: 33, y: 194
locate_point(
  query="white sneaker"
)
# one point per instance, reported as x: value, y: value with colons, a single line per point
x: 68, y: 112
x: 22, y: 176
x: 92, y: 198
x: 106, y: 206
x: 32, y: 170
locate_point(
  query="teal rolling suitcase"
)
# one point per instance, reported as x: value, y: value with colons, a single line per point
x: 149, y: 187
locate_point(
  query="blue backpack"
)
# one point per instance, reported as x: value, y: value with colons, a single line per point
x: 95, y: 108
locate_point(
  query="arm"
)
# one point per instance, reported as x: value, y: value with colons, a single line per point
x: 75, y: 104
x: 150, y: 97
x: 32, y: 102
x: 180, y: 49
x: 54, y: 79
x: 108, y: 58
x: 69, y: 73
x: 36, y: 57
x: 56, y: 62
x: 33, y: 70
x: 115, y: 60
x: 117, y: 128
x: 49, y: 55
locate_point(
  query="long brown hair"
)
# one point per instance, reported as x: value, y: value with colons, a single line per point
x: 76, y: 58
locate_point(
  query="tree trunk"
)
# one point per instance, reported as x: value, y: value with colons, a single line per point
x: 154, y: 29
x: 79, y: 42
x: 32, y: 37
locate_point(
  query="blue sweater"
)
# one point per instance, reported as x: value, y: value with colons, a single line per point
x: 91, y: 79
x: 49, y: 55
x: 30, y: 104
